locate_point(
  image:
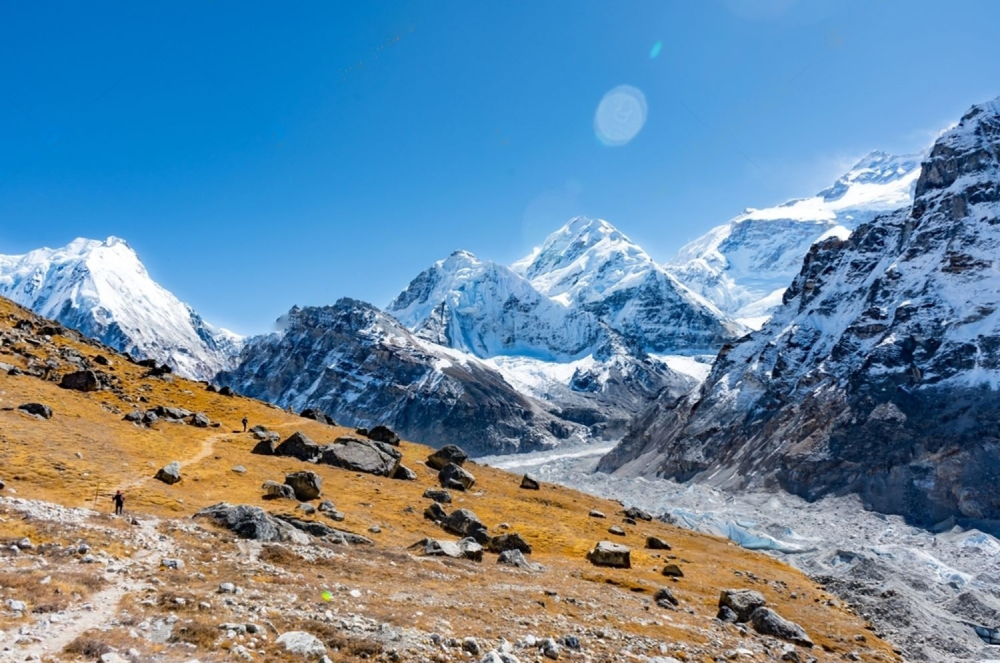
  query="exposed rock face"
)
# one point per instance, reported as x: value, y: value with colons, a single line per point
x: 879, y: 373
x: 362, y: 366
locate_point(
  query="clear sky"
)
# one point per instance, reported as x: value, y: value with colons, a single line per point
x: 259, y: 155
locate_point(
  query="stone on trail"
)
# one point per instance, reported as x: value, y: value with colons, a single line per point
x: 447, y: 455
x: 767, y: 622
x: 529, y: 482
x: 613, y: 555
x: 743, y: 602
x: 307, y: 485
x: 169, y: 474
x: 301, y: 643
x: 36, y: 409
x: 456, y: 478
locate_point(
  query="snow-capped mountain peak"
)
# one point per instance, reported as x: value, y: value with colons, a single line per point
x: 102, y: 289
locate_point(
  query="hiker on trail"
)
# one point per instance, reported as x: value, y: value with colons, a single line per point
x: 119, y: 503
x: 245, y: 422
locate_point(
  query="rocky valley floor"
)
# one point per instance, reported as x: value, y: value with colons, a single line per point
x: 344, y: 581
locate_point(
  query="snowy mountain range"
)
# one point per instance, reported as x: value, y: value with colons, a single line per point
x: 879, y: 373
x: 744, y: 266
x: 104, y: 291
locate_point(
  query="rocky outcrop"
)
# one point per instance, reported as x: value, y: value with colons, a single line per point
x: 879, y: 374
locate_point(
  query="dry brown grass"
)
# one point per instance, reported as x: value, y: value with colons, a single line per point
x: 39, y: 460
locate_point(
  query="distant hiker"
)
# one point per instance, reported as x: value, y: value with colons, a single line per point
x: 119, y: 503
x: 245, y: 422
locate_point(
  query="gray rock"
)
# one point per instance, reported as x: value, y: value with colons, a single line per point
x: 239, y: 469
x: 150, y: 418
x: 465, y: 549
x: 549, y: 648
x: 529, y: 482
x: 456, y: 478
x: 302, y: 644
x: 463, y: 522
x: 516, y: 559
x: 727, y: 615
x: 326, y: 506
x: 594, y: 513
x: 275, y: 490
x: 307, y: 485
x: 447, y: 455
x: 252, y: 522
x: 435, y: 513
x: 440, y: 496
x: 175, y: 564
x: 170, y: 473
x: 383, y: 434
x: 665, y: 598
x: 743, y: 602
x: 636, y: 513
x: 171, y: 413
x: 36, y: 409
x: 672, y: 571
x: 17, y: 606
x: 656, y: 543
x: 227, y: 588
x: 505, y: 542
x: 767, y: 622
x: 306, y: 508
x: 616, y: 530
x: 357, y: 455
x: 298, y: 445
x: 135, y: 416
x: 403, y: 473
x: 199, y: 420
x: 81, y: 381
x: 497, y: 656
x: 266, y: 447
x: 613, y: 555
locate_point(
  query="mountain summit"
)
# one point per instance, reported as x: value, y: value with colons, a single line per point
x: 103, y: 290
x: 880, y: 372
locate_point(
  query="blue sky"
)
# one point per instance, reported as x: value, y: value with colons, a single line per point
x: 260, y: 155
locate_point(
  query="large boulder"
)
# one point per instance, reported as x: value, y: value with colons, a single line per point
x: 322, y: 531
x: 656, y: 543
x: 455, y: 477
x: 767, y: 622
x: 446, y: 455
x: 36, y: 409
x: 171, y: 413
x: 170, y: 473
x: 81, y: 381
x: 517, y: 559
x: 299, y: 446
x: 266, y: 447
x: 505, y: 542
x: 614, y: 555
x: 742, y: 602
x: 465, y: 549
x: 307, y: 485
x: 199, y: 420
x: 435, y: 513
x: 465, y: 523
x: 274, y: 491
x: 318, y: 415
x: 252, y: 522
x: 300, y: 643
x: 383, y: 434
x: 529, y: 482
x: 357, y: 455
x: 403, y: 473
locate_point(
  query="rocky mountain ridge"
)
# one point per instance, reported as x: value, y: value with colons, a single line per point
x: 879, y: 373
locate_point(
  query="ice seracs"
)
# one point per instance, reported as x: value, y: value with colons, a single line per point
x: 744, y: 266
x: 102, y: 289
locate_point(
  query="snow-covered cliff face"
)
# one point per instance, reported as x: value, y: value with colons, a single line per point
x: 744, y: 266
x: 104, y: 291
x: 362, y: 367
x: 880, y: 372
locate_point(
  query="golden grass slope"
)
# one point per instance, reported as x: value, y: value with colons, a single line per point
x: 86, y: 451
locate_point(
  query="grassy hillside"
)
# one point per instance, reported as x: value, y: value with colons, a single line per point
x: 380, y: 602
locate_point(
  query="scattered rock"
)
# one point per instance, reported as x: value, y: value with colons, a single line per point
x: 549, y: 648
x: 594, y: 513
x: 449, y: 454
x: 318, y: 415
x: 665, y: 598
x: 36, y: 409
x: 497, y: 656
x: 528, y: 482
x: 301, y: 643
x: 454, y: 477
x: 465, y: 549
x: 326, y: 506
x: 135, y: 416
x: 441, y: 496
x: 169, y: 474
x: 767, y: 622
x: 614, y: 555
x: 656, y: 543
x: 227, y: 391
x: 266, y: 447
x: 742, y: 602
x: 637, y: 514
x: 517, y: 559
x: 383, y: 434
x: 306, y: 508
x: 227, y: 588
x: 199, y: 420
x: 465, y: 523
x: 298, y: 446
x: 274, y: 490
x: 357, y: 455
x: 81, y: 381
x: 239, y: 469
x: 251, y: 522
x: 403, y: 473
x: 505, y: 542
x: 435, y: 513
x: 307, y: 485
x: 616, y: 530
x: 175, y: 564
x: 673, y: 571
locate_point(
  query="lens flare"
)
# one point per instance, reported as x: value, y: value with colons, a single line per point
x: 327, y: 596
x: 620, y: 115
x: 653, y: 52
